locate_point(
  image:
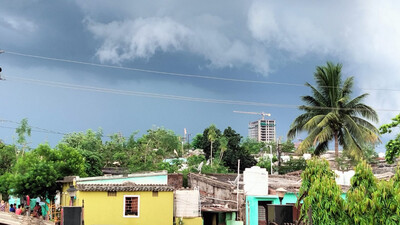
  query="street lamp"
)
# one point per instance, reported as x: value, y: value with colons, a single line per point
x: 281, y: 193
x: 72, y: 193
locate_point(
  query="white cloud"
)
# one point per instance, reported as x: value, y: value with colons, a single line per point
x: 141, y: 38
x: 363, y: 35
x: 144, y: 37
x: 18, y: 23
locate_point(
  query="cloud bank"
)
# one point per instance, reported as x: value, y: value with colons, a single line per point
x: 363, y: 35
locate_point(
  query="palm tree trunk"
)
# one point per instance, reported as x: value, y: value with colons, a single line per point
x: 211, y: 154
x: 336, y: 145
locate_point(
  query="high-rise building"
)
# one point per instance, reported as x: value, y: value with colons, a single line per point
x: 263, y: 130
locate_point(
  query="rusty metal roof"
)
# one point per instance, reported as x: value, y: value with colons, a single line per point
x: 216, y: 208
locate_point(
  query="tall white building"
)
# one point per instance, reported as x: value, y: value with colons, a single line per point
x: 263, y: 130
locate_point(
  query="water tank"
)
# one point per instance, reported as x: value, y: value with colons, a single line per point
x: 255, y: 181
x: 343, y: 178
x: 187, y: 203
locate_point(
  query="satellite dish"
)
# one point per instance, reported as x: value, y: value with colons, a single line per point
x: 200, y: 166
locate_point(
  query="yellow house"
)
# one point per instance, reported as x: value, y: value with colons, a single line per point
x: 125, y: 203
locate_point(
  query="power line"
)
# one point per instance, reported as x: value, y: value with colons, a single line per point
x: 172, y: 97
x: 150, y: 71
x: 180, y: 74
x: 35, y: 128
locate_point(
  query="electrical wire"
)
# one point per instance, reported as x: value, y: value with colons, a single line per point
x: 179, y: 74
x: 150, y: 71
x: 34, y: 130
x: 37, y: 129
x: 171, y: 97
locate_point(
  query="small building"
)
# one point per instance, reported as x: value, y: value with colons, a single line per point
x: 130, y: 199
x: 218, y: 197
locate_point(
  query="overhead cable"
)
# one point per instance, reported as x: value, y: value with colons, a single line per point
x: 166, y: 96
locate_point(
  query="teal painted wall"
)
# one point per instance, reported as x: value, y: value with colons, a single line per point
x: 159, y: 179
x: 252, y: 207
x: 252, y: 204
x: 289, y: 198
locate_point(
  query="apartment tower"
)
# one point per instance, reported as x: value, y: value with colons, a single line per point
x: 263, y: 130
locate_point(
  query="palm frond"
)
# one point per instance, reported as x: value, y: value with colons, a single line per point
x: 325, y: 135
x: 321, y: 148
x: 313, y: 122
x: 365, y: 111
x: 347, y: 86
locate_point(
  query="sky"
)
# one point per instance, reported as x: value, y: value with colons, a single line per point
x: 126, y: 66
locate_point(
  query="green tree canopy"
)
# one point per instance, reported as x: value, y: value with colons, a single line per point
x: 36, y: 173
x: 321, y: 194
x: 236, y: 152
x: 393, y: 146
x: 253, y: 146
x: 7, y: 158
x: 370, y: 201
x: 331, y: 114
x: 205, y: 143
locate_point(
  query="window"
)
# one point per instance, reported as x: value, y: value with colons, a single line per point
x: 131, y: 205
x: 112, y: 193
x: 155, y: 193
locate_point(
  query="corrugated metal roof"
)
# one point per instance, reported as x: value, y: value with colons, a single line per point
x: 127, y: 186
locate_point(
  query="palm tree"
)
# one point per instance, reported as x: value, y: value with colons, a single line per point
x: 212, y: 136
x: 331, y: 114
x: 224, y: 146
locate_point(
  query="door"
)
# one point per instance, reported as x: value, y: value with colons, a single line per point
x: 263, y: 212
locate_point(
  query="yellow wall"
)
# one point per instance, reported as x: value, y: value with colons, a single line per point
x: 190, y: 221
x: 102, y: 209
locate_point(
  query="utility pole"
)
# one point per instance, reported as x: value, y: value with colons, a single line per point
x: 270, y: 148
x: 237, y: 191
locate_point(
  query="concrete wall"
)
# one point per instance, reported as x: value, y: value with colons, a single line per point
x: 212, y: 189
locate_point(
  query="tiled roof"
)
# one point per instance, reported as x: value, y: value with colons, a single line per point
x: 127, y: 186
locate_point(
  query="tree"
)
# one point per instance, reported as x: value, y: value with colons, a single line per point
x: 393, y: 146
x: 253, y: 146
x: 205, y: 144
x: 320, y: 194
x: 331, y: 114
x: 224, y: 146
x: 90, y: 146
x: 212, y: 136
x: 359, y: 196
x: 90, y: 141
x: 36, y: 173
x: 287, y: 146
x: 370, y: 201
x: 236, y: 152
x: 7, y: 158
x: 197, y: 141
x: 22, y: 131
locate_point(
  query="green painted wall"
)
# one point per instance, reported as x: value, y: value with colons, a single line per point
x: 230, y: 219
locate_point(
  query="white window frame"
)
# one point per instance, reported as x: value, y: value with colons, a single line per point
x: 123, y: 212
